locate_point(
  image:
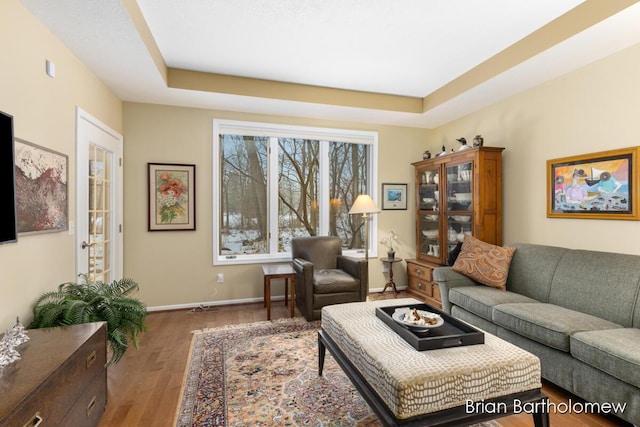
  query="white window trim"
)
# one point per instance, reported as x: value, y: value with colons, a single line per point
x: 307, y: 132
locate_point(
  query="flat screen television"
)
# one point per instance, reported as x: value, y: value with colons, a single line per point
x: 8, y: 227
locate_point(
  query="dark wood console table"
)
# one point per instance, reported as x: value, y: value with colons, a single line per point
x: 60, y: 380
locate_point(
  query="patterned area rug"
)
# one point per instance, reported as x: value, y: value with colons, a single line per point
x: 266, y: 374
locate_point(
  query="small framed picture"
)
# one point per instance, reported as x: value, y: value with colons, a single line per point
x: 172, y: 196
x: 394, y: 196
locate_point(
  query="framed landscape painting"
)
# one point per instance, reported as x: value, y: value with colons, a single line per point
x: 41, y: 189
x: 600, y: 185
x: 394, y: 196
x: 172, y: 196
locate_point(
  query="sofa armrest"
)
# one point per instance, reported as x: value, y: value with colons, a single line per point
x: 447, y: 279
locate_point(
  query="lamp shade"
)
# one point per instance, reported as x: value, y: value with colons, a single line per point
x: 363, y: 205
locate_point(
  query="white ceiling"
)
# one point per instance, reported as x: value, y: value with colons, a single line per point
x: 403, y: 47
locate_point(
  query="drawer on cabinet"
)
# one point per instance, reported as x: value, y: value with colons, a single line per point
x: 436, y: 291
x: 419, y: 271
x: 90, y: 406
x: 421, y: 285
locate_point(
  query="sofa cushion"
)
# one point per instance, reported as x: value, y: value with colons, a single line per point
x: 532, y: 269
x: 483, y: 262
x: 547, y: 324
x: 328, y: 281
x: 616, y: 352
x: 602, y: 284
x: 480, y: 300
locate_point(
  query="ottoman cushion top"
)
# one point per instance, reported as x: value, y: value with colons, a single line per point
x: 412, y: 382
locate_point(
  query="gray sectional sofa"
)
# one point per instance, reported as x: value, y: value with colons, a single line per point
x: 577, y: 310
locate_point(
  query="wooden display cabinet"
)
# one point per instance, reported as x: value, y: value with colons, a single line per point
x: 457, y: 194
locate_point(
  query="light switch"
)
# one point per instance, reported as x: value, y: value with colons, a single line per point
x: 51, y: 69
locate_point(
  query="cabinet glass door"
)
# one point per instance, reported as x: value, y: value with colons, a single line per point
x: 430, y: 234
x: 459, y: 213
x: 458, y: 227
x: 429, y: 190
x: 460, y: 187
x: 429, y: 204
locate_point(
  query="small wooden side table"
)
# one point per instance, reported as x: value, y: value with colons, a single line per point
x: 391, y: 283
x: 279, y: 271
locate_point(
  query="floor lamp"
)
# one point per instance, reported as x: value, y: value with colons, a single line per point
x: 364, y: 205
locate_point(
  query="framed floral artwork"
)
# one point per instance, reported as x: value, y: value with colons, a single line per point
x: 172, y: 196
x: 600, y: 185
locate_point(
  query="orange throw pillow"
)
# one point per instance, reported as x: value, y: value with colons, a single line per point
x: 483, y: 262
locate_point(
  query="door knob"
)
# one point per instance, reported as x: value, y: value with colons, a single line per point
x: 86, y: 245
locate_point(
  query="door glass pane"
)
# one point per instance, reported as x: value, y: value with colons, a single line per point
x: 100, y: 226
x: 243, y: 196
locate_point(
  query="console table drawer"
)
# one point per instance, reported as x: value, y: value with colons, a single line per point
x: 56, y: 369
x: 89, y: 408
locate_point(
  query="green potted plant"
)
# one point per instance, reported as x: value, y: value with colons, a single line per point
x: 85, y: 302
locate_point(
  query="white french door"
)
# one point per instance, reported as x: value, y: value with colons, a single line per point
x: 99, y: 197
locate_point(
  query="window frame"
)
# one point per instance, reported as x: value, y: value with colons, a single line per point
x: 274, y: 130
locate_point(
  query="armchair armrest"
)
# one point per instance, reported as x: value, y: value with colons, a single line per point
x: 447, y: 279
x: 358, y: 268
x: 304, y: 283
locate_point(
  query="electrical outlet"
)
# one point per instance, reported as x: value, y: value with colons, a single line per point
x: 220, y: 278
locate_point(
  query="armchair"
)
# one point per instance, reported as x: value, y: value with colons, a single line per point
x: 324, y: 276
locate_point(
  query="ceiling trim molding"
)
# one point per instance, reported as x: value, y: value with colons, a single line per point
x: 220, y: 83
x: 140, y: 24
x: 578, y: 19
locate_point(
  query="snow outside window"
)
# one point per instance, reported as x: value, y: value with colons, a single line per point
x: 272, y: 183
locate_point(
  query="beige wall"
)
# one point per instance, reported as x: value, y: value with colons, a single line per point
x: 44, y: 113
x: 592, y: 109
x: 176, y: 268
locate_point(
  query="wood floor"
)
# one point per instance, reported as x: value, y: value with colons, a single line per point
x: 144, y: 388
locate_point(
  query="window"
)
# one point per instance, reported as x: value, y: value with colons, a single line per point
x: 274, y: 182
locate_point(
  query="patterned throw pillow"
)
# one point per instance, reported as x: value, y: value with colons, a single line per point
x: 483, y: 262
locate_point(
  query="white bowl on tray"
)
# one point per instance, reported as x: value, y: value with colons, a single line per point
x: 399, y: 316
x: 461, y: 218
x: 428, y: 200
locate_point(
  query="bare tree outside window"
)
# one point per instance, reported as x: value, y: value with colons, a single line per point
x: 247, y: 226
x: 347, y: 179
x: 243, y: 228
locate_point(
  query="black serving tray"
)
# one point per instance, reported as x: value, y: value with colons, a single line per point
x: 453, y: 333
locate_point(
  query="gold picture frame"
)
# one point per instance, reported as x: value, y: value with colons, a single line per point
x: 601, y: 185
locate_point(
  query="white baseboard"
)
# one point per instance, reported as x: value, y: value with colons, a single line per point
x: 231, y: 302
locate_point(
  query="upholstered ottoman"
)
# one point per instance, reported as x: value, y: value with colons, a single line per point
x: 446, y: 386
